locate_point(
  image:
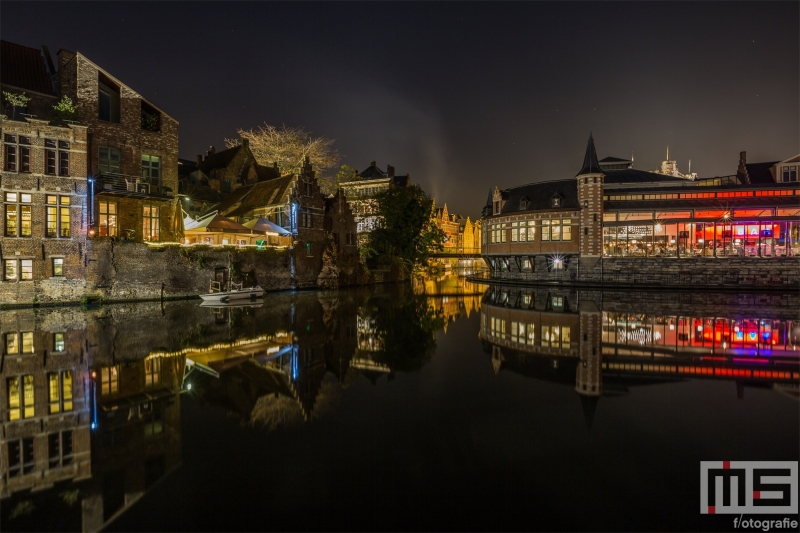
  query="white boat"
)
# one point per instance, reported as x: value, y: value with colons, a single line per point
x: 235, y: 293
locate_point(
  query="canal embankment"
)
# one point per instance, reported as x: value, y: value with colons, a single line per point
x: 698, y: 273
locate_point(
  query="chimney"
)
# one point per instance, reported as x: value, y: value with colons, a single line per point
x: 212, y: 150
x: 246, y: 142
x: 199, y: 160
x: 372, y: 163
x: 390, y: 170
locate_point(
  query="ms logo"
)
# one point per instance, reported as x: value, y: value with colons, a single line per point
x: 754, y: 487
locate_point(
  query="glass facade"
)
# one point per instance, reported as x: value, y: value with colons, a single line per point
x: 719, y: 238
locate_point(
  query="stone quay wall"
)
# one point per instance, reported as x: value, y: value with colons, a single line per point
x: 699, y: 272
x: 127, y: 270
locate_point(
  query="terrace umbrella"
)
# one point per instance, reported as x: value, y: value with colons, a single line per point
x: 262, y: 224
x: 219, y: 223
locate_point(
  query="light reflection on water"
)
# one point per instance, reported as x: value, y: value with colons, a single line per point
x: 94, y: 401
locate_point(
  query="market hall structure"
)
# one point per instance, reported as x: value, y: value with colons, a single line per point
x: 613, y: 212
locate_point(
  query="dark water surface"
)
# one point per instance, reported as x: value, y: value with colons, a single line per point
x: 388, y: 409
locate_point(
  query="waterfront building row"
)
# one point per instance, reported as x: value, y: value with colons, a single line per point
x: 623, y: 212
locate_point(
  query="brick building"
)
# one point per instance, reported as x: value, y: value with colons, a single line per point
x: 361, y: 193
x: 230, y: 169
x: 613, y: 210
x: 296, y: 203
x: 45, y: 404
x: 133, y: 154
x: 43, y: 187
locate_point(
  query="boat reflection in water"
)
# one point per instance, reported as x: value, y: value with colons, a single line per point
x: 90, y: 399
x: 564, y: 336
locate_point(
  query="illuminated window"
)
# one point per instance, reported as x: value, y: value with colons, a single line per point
x: 58, y: 342
x: 59, y: 391
x: 12, y: 343
x: 515, y: 231
x: 555, y: 337
x: 150, y: 223
x: 58, y: 266
x: 566, y: 230
x: 107, y: 223
x: 109, y: 380
x: 57, y: 213
x: 309, y: 250
x: 17, y: 214
x: 152, y: 372
x: 20, y: 397
x: 27, y: 341
x: 545, y: 230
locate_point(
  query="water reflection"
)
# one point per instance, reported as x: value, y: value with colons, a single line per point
x: 563, y: 336
x: 90, y: 399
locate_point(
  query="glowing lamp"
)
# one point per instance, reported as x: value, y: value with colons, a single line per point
x: 726, y: 216
x: 91, y: 233
x: 658, y: 227
x: 188, y: 386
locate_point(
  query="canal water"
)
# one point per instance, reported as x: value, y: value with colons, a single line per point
x: 438, y: 405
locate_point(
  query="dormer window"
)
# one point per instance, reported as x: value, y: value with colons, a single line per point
x: 555, y: 201
x: 523, y: 204
x: 496, y: 207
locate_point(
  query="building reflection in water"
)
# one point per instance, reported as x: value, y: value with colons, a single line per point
x: 91, y: 399
x: 563, y: 336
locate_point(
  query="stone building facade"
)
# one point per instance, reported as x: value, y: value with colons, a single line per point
x: 584, y: 228
x: 230, y: 169
x: 132, y: 154
x: 45, y: 404
x: 44, y: 221
x: 361, y: 193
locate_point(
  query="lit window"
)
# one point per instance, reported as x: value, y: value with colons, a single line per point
x: 566, y: 230
x: 57, y: 214
x: 109, y: 380
x: 26, y: 269
x: 107, y: 223
x: 20, y: 397
x: 152, y: 372
x: 27, y: 341
x: 58, y: 266
x: 59, y: 391
x: 58, y: 342
x: 150, y: 223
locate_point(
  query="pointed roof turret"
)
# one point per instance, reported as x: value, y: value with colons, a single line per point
x: 590, y: 164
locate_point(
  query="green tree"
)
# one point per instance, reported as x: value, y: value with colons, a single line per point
x: 346, y: 174
x: 406, y: 230
x: 16, y: 100
x: 66, y: 109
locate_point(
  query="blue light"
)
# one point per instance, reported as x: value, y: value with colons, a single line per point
x: 94, y: 425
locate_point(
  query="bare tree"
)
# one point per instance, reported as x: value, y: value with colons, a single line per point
x: 289, y: 147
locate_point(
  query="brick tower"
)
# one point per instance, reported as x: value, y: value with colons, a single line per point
x: 590, y: 196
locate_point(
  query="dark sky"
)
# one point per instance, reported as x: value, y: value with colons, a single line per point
x: 463, y: 96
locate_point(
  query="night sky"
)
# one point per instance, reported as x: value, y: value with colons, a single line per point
x: 463, y: 96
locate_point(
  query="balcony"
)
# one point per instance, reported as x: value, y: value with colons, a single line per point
x: 131, y: 186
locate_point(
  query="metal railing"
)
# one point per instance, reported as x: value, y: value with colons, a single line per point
x: 137, y: 185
